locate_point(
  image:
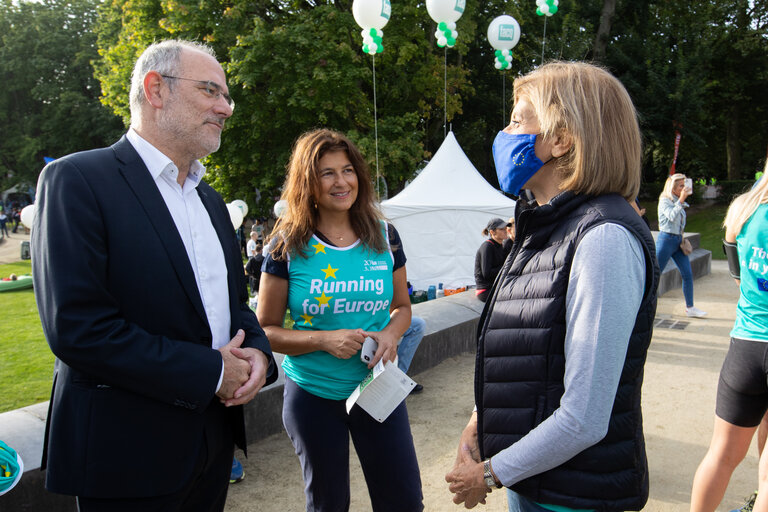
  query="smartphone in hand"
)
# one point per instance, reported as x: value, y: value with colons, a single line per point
x: 369, y: 350
x: 689, y: 185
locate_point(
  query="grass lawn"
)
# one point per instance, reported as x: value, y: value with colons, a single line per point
x: 26, y: 362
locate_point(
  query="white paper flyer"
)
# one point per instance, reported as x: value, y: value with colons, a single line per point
x: 381, y: 391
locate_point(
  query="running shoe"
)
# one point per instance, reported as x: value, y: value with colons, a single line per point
x: 695, y: 312
x: 747, y: 507
x: 237, y: 473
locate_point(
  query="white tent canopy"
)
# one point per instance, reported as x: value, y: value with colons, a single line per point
x: 441, y: 215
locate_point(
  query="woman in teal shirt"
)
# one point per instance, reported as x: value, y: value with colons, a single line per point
x: 334, y: 267
x: 742, y: 392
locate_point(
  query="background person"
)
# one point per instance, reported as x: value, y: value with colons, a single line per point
x: 742, y: 390
x: 560, y: 353
x: 406, y: 349
x: 341, y: 271
x: 672, y: 219
x: 490, y: 257
x: 145, y: 305
x: 510, y: 240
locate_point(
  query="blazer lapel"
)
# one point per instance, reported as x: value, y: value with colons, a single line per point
x: 143, y: 186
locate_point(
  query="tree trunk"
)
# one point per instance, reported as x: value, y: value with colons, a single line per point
x: 604, y: 30
x: 733, y: 144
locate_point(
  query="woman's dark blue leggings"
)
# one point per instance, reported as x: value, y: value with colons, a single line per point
x: 668, y: 245
x: 319, y: 430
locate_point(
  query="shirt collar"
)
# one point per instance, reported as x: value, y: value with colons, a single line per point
x: 157, y: 162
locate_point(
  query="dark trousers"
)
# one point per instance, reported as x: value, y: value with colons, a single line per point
x: 319, y: 430
x: 206, y: 491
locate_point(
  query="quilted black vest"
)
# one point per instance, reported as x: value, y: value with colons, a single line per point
x: 520, y: 357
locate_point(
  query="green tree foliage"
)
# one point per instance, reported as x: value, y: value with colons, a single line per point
x: 295, y: 66
x: 49, y: 104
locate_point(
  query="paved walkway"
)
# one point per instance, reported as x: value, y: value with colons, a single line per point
x: 10, y: 247
x: 678, y: 407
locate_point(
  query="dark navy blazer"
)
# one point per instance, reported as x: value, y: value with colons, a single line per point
x: 121, y: 311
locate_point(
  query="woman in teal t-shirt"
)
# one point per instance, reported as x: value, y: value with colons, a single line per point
x: 333, y: 267
x: 742, y: 392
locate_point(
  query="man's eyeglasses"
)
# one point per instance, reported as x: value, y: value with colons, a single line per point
x: 211, y: 89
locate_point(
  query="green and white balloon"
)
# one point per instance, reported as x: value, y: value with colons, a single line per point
x: 446, y: 13
x: 546, y: 7
x: 372, y: 16
x: 503, y: 34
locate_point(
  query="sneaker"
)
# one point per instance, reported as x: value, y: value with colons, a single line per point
x: 418, y: 388
x: 695, y: 312
x: 237, y: 473
x: 747, y: 507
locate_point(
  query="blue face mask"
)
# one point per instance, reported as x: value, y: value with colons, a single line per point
x: 516, y: 161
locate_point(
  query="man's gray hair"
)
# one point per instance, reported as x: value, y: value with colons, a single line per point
x: 163, y: 57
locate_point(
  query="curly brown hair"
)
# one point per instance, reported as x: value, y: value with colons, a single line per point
x: 298, y: 222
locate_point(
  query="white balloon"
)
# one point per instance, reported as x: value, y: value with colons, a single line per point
x: 28, y: 215
x: 242, y: 205
x: 280, y: 207
x: 549, y: 14
x: 545, y: 9
x: 497, y: 65
x: 455, y: 34
x: 235, y: 215
x: 539, y: 3
x: 439, y: 34
x: 452, y: 25
x: 371, y: 13
x: 442, y: 41
x: 445, y: 10
x: 504, y: 32
x: 556, y: 3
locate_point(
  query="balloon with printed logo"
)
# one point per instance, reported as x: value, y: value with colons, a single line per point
x: 28, y: 215
x: 503, y: 34
x: 446, y: 13
x: 242, y: 205
x: 372, y: 16
x: 235, y: 215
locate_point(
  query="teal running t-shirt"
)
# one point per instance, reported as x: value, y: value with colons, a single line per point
x: 336, y: 288
x: 752, y: 310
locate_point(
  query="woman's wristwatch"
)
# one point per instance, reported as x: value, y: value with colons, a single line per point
x: 490, y: 481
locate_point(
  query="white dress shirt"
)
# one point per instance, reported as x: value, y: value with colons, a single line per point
x: 197, y: 232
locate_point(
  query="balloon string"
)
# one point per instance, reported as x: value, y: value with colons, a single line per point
x: 544, y: 39
x: 445, y: 90
x: 504, y: 98
x: 376, y: 130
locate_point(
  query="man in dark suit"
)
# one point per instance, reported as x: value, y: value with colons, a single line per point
x: 142, y: 298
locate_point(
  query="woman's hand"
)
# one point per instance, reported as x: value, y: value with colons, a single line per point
x: 343, y: 343
x: 466, y: 476
x: 387, y: 349
x: 684, y: 193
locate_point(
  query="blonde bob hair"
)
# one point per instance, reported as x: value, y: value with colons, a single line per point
x: 298, y: 222
x: 669, y: 185
x: 742, y: 208
x: 588, y: 106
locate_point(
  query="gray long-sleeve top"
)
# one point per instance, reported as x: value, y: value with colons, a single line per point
x: 605, y: 289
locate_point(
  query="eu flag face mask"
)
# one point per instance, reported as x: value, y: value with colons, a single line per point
x: 516, y: 161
